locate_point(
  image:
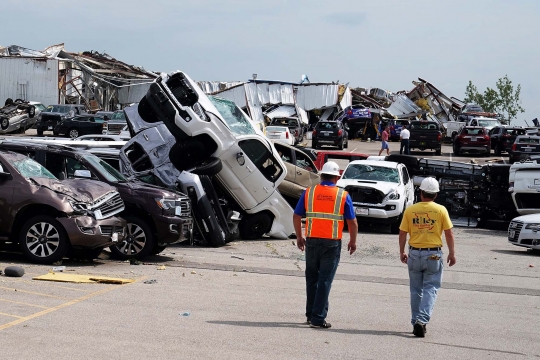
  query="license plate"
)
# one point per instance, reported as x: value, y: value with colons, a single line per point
x: 49, y: 128
x: 473, y: 139
x: 114, y: 237
x: 326, y: 134
x: 361, y: 211
x: 527, y: 149
x: 511, y: 234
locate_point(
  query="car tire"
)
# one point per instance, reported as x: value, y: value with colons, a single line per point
x: 407, y: 160
x: 158, y: 249
x: 146, y: 112
x: 498, y: 150
x: 315, y: 145
x: 456, y: 150
x: 188, y: 154
x: 8, y: 102
x: 139, y: 240
x: 253, y: 227
x: 52, y: 241
x: 39, y: 132
x: 4, y: 123
x: 438, y: 151
x: 340, y: 147
x: 31, y: 111
x: 209, y: 167
x: 347, y: 144
x: 73, y: 133
x: 394, y: 227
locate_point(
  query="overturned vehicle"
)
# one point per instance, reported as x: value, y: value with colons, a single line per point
x: 207, y: 148
x: 17, y: 115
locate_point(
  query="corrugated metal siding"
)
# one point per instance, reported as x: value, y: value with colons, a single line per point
x: 38, y: 76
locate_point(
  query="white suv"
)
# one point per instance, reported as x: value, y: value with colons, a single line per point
x: 204, y: 127
x: 380, y: 191
x: 525, y: 231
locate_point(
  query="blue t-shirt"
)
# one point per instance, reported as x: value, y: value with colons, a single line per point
x: 348, y: 211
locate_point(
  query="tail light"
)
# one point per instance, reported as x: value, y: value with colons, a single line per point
x: 506, y: 135
x: 514, y: 147
x: 349, y: 112
x: 340, y: 132
x: 286, y: 135
x: 314, y: 132
x: 486, y: 137
x: 439, y: 137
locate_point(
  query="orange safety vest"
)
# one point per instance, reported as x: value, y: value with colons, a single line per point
x: 324, y: 212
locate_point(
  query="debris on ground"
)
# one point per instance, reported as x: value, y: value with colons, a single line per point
x: 14, y: 271
x: 134, y: 262
x: 237, y: 257
x: 531, y: 265
x: 161, y: 267
x: 186, y: 313
x: 193, y: 272
x: 58, y: 268
x: 150, y: 281
x: 79, y: 279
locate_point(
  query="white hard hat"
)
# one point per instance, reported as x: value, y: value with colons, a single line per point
x: 330, y: 168
x: 430, y: 185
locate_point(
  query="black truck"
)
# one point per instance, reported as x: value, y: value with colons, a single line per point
x: 156, y: 217
x: 425, y: 135
x: 330, y: 133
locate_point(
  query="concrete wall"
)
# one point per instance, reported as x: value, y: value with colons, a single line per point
x: 30, y: 79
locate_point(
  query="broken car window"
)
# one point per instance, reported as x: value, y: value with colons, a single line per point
x: 284, y: 152
x: 106, y: 170
x: 30, y: 168
x: 370, y: 172
x: 304, y: 162
x: 262, y: 158
x: 236, y: 120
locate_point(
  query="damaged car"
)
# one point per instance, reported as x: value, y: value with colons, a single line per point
x: 155, y: 217
x: 524, y: 186
x: 48, y: 217
x: 213, y: 134
x: 55, y: 114
x: 380, y: 191
x: 17, y: 116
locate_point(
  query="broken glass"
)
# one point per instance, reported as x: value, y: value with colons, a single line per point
x: 236, y: 120
x: 30, y: 168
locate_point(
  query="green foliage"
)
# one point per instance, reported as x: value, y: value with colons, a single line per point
x: 503, y: 100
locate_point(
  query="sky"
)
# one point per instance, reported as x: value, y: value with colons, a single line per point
x: 385, y: 44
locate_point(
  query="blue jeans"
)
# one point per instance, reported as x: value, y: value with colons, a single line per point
x: 425, y: 276
x: 405, y: 146
x: 322, y: 259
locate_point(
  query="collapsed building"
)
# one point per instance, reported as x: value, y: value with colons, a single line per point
x: 55, y: 76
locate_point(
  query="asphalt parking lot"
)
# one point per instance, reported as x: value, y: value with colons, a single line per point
x: 246, y: 301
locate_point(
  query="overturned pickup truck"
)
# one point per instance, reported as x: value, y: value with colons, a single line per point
x: 17, y: 115
x: 208, y: 147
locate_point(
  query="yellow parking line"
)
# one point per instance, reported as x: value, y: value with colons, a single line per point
x: 26, y: 304
x: 15, y: 316
x: 31, y: 292
x: 66, y: 304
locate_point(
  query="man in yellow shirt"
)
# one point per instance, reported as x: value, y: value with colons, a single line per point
x: 425, y: 222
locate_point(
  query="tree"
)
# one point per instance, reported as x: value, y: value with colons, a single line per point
x: 504, y: 100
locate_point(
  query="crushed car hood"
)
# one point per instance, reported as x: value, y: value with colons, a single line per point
x: 81, y: 190
x: 382, y: 186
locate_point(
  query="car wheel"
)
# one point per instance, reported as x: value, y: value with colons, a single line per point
x: 315, y: 145
x: 73, y: 133
x: 254, y: 226
x: 498, y: 150
x: 8, y: 102
x: 4, y: 123
x: 138, y: 242
x: 39, y: 133
x: 346, y: 144
x: 188, y: 154
x: 456, y: 150
x: 210, y: 167
x: 394, y: 228
x: 146, y: 112
x: 438, y: 151
x: 31, y: 111
x: 43, y: 240
x: 340, y: 147
x: 157, y: 249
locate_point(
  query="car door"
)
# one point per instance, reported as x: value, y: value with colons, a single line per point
x: 306, y: 173
x: 7, y: 190
x: 286, y: 154
x: 409, y: 187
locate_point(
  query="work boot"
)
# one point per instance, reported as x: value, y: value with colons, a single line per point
x: 419, y: 329
x: 324, y: 325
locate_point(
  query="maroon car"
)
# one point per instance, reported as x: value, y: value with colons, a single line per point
x: 472, y: 139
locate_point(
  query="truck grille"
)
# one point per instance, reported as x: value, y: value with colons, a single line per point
x: 516, y: 227
x: 185, y: 205
x: 365, y: 195
x: 109, y: 205
x: 115, y: 128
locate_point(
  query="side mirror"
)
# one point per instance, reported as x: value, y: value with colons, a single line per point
x: 241, y: 159
x: 5, y: 176
x: 86, y: 174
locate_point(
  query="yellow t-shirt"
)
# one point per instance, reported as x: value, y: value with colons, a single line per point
x: 425, y: 222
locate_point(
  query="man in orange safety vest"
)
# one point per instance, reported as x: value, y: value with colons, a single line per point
x: 326, y: 208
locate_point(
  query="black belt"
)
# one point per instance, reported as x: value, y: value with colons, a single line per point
x: 425, y: 249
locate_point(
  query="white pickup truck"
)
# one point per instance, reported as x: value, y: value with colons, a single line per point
x: 452, y: 127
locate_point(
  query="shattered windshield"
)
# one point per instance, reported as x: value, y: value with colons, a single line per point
x: 110, y: 173
x: 58, y: 109
x: 30, y: 168
x: 118, y: 115
x: 370, y: 172
x: 236, y: 120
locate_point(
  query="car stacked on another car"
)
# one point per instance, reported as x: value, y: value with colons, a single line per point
x: 54, y: 114
x: 18, y: 115
x: 472, y: 139
x: 503, y: 137
x: 330, y: 133
x: 380, y: 191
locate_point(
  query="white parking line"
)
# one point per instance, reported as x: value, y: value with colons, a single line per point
x: 353, y: 150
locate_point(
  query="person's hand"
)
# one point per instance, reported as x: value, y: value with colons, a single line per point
x: 451, y: 260
x: 301, y: 243
x: 404, y: 257
x: 351, y: 248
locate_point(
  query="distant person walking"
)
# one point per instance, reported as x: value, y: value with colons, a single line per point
x: 326, y: 208
x: 425, y: 222
x: 404, y: 137
x: 384, y: 138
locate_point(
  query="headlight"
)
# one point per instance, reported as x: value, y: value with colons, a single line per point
x: 392, y: 195
x: 170, y: 206
x: 533, y: 226
x: 80, y: 208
